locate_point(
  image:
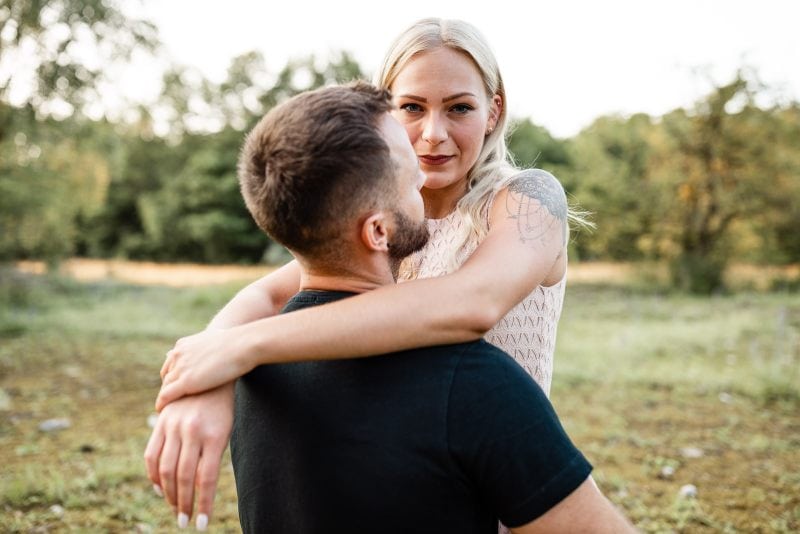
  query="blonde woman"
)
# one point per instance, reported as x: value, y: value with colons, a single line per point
x: 495, y: 265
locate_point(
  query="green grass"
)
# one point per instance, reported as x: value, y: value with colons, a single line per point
x: 640, y: 376
x: 747, y: 343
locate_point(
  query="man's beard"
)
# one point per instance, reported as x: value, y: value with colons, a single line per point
x: 409, y: 237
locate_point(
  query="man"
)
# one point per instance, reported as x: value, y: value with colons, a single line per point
x: 442, y: 439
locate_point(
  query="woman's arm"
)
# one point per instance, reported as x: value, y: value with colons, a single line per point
x: 263, y: 298
x: 525, y: 247
x: 184, y: 451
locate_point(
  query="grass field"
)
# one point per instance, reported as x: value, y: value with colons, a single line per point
x: 659, y: 390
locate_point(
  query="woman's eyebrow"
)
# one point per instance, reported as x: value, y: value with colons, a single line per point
x: 457, y: 95
x: 414, y: 97
x: 445, y: 99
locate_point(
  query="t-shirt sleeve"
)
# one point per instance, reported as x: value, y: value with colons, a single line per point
x: 506, y: 437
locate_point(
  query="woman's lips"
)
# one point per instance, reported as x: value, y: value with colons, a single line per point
x: 435, y: 160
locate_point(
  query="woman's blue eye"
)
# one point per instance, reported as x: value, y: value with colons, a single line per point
x: 410, y: 107
x: 461, y: 108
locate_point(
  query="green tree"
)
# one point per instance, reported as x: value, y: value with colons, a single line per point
x: 533, y: 146
x: 67, y: 47
x: 55, y: 171
x: 177, y: 198
x: 143, y: 165
x: 610, y: 168
x: 718, y: 173
x: 696, y: 187
x: 779, y: 225
x: 198, y: 214
x: 50, y: 176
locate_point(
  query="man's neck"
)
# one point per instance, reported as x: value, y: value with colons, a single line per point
x: 354, y: 280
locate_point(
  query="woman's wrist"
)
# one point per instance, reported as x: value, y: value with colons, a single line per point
x: 250, y: 346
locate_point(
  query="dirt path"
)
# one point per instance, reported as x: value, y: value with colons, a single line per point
x: 150, y: 273
x: 193, y: 274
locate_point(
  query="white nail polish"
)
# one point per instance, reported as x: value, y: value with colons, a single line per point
x: 158, y: 491
x: 183, y: 520
x: 202, y: 522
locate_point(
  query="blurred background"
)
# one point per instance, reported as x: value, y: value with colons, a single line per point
x: 122, y: 228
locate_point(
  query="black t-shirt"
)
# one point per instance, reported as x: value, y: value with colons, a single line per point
x: 438, y: 439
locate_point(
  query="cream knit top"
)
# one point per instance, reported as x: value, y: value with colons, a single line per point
x: 528, y: 331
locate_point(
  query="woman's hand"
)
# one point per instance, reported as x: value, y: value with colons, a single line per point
x: 201, y: 362
x: 216, y: 355
x: 184, y: 452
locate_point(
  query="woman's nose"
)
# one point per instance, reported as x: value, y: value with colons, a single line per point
x: 434, y: 130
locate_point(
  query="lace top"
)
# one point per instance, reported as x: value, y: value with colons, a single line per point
x: 528, y: 331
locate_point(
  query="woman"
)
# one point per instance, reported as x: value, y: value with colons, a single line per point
x: 495, y: 264
x: 498, y: 236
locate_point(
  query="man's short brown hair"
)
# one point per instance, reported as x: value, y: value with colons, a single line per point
x: 314, y: 162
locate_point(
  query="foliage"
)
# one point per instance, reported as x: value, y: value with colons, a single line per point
x: 51, y: 175
x: 610, y: 169
x: 714, y: 172
x: 696, y: 188
x: 73, y: 185
x: 67, y: 48
x: 55, y: 172
x: 198, y: 213
x: 532, y: 146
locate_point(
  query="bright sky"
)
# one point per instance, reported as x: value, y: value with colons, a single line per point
x: 565, y: 62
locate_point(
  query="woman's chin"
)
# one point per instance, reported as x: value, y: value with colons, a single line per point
x: 439, y: 179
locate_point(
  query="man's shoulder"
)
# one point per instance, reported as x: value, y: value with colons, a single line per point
x: 478, y: 352
x: 484, y: 356
x: 487, y: 374
x: 471, y: 348
x: 481, y: 366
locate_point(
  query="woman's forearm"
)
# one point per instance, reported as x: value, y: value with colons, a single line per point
x: 461, y: 306
x: 249, y: 304
x: 458, y: 307
x: 263, y: 298
x: 421, y: 313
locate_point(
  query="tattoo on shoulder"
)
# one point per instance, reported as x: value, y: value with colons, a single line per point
x: 537, y: 202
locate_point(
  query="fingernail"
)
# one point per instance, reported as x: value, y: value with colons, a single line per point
x: 158, y: 490
x: 183, y: 520
x: 202, y: 522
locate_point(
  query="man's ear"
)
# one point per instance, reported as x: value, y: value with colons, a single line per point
x: 375, y: 231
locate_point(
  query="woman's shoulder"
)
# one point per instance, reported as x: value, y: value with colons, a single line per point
x: 537, y: 184
x: 532, y: 177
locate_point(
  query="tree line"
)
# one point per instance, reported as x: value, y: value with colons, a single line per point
x: 696, y: 188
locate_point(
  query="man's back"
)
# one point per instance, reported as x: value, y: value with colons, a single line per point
x: 446, y: 438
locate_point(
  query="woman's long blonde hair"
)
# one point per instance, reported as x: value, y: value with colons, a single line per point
x: 494, y: 168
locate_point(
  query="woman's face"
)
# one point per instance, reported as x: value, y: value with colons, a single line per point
x: 440, y: 99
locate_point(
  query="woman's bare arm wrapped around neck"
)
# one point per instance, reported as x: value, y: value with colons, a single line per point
x: 525, y: 247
